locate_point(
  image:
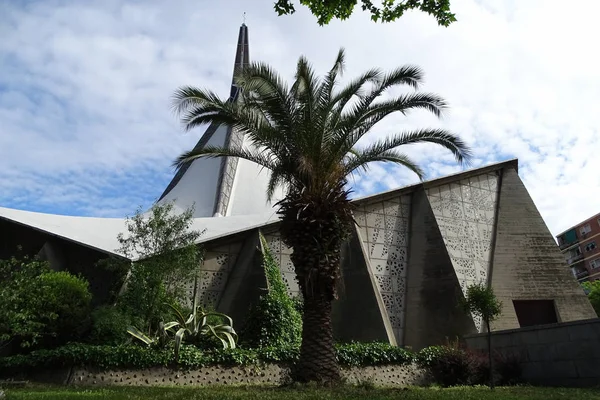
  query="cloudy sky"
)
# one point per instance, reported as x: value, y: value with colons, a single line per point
x: 85, y: 86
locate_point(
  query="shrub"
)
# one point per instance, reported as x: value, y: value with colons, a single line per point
x: 131, y: 356
x: 592, y: 289
x: 162, y: 243
x: 275, y: 320
x: 41, y: 306
x: 452, y: 366
x: 360, y: 354
x: 479, y: 367
x: 449, y: 366
x: 508, y: 368
x: 68, y: 297
x: 109, y: 326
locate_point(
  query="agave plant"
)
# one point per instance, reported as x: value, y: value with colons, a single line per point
x: 161, y: 336
x: 196, y: 325
x: 193, y: 327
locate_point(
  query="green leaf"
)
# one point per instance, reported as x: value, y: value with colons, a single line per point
x: 136, y: 333
x: 178, y: 338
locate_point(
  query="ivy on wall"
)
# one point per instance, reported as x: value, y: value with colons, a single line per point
x: 275, y: 320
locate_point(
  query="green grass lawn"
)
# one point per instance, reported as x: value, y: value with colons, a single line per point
x: 344, y: 393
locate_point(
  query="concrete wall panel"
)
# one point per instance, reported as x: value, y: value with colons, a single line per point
x: 358, y: 313
x: 433, y: 289
x: 384, y: 230
x: 246, y: 281
x: 527, y: 263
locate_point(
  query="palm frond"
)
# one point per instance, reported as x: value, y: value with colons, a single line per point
x: 326, y: 90
x: 188, y: 98
x: 362, y: 159
x: 410, y: 75
x: 361, y: 122
x: 263, y: 88
x: 306, y: 133
x: 277, y: 179
x: 353, y: 89
x: 261, y: 158
x: 457, y: 146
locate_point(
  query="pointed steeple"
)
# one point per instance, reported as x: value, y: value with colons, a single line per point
x: 207, y: 183
x: 242, y: 57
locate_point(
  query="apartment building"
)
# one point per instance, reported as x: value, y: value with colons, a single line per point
x: 581, y: 246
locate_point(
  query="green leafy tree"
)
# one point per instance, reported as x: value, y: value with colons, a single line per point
x: 593, y: 291
x: 481, y: 301
x: 162, y: 244
x: 306, y: 134
x: 39, y: 306
x: 389, y: 10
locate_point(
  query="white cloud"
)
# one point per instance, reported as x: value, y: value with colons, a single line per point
x: 85, y: 125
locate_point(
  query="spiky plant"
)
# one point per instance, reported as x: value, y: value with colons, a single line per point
x: 306, y: 134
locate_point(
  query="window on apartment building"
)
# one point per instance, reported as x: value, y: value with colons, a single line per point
x: 535, y: 312
x: 595, y: 263
x: 575, y: 252
x: 585, y: 229
x: 590, y: 246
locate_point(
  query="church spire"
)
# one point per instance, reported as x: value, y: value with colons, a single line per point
x: 207, y: 183
x: 242, y: 57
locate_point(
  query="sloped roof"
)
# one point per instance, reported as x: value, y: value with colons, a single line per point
x: 101, y: 233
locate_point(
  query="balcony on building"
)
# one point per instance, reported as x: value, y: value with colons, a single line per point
x: 568, y: 239
x: 580, y: 274
x: 574, y: 255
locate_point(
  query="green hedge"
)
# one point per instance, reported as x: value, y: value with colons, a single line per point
x: 131, y: 356
x: 361, y: 354
x: 449, y: 366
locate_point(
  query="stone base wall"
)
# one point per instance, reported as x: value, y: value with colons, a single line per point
x: 270, y: 374
x: 563, y: 354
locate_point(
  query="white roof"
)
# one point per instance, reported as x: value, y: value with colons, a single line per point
x: 101, y: 233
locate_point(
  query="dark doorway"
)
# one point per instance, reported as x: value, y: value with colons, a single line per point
x: 535, y: 312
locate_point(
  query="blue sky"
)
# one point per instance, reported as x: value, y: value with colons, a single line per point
x: 86, y: 129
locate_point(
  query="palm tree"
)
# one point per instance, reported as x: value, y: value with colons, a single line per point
x: 306, y: 134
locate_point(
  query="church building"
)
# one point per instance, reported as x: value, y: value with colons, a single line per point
x: 413, y: 253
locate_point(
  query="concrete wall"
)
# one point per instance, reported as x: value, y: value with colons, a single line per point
x: 245, y: 283
x: 563, y: 354
x: 357, y: 314
x: 433, y: 290
x: 527, y: 263
x: 269, y: 374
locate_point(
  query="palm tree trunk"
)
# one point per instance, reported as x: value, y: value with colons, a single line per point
x: 318, y: 360
x: 316, y: 228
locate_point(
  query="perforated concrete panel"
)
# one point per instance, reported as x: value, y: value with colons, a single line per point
x: 464, y: 211
x: 282, y: 253
x: 268, y: 374
x: 384, y: 230
x: 215, y: 269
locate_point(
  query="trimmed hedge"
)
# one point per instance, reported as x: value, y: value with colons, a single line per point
x: 448, y: 366
x: 131, y: 356
x: 362, y: 354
